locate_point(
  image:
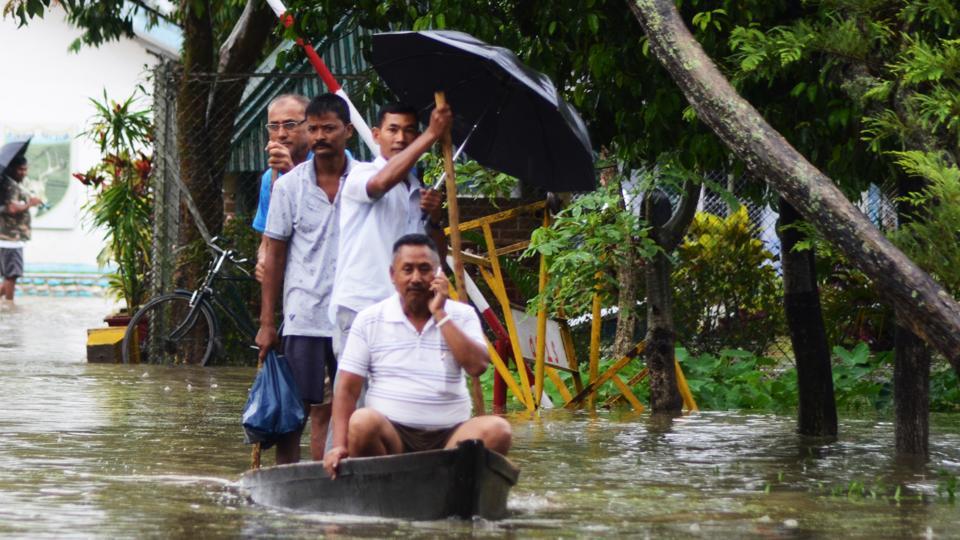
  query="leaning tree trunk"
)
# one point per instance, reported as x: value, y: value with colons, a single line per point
x: 817, y: 415
x: 911, y: 373
x: 666, y: 230
x: 930, y: 311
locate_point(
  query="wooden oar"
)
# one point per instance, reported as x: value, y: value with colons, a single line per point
x: 454, y: 216
x: 255, y: 453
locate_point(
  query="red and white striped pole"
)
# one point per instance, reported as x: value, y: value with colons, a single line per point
x: 359, y: 124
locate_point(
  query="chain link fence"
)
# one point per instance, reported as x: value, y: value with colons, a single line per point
x: 228, y: 185
x: 213, y: 192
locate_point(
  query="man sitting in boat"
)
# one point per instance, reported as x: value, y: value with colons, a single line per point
x: 412, y: 349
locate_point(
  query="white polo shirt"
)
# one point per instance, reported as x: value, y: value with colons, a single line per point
x: 368, y: 229
x: 412, y: 378
x: 302, y: 215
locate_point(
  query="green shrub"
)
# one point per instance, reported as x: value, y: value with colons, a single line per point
x: 853, y: 311
x: 944, y: 388
x: 582, y: 247
x: 727, y: 292
x: 861, y: 379
x: 736, y: 379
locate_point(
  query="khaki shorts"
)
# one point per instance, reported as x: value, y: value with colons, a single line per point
x: 417, y: 440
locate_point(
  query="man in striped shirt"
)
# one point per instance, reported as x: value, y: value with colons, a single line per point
x: 412, y: 349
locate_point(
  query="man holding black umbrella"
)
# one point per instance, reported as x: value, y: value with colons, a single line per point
x: 15, y: 205
x: 383, y: 201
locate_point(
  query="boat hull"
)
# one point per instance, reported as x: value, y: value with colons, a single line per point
x: 462, y: 482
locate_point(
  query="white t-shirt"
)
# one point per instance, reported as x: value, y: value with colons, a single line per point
x: 368, y: 229
x: 412, y: 378
x: 302, y: 215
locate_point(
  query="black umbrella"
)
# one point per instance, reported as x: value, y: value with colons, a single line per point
x: 11, y: 151
x: 522, y: 127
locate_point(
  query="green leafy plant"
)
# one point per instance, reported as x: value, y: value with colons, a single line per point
x: 861, y: 379
x: 728, y: 292
x: 853, y: 308
x: 582, y: 245
x: 472, y: 178
x: 736, y: 379
x: 123, y: 202
x: 944, y: 388
x: 947, y: 484
x: 938, y: 220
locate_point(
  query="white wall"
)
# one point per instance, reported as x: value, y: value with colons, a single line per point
x: 46, y: 89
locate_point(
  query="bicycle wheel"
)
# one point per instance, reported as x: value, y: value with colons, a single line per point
x: 175, y: 333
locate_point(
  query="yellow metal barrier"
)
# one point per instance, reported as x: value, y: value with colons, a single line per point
x: 489, y: 267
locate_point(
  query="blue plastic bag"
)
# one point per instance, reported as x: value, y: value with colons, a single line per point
x: 274, y: 407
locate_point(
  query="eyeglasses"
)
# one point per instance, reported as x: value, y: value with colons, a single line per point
x: 275, y: 127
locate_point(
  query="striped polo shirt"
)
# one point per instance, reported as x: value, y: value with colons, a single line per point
x: 412, y: 378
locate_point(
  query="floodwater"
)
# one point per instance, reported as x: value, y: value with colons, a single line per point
x: 111, y: 451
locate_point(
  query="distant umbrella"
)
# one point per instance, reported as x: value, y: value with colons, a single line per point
x: 522, y: 126
x: 11, y: 151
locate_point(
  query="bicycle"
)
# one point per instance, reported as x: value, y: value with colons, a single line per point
x: 183, y: 326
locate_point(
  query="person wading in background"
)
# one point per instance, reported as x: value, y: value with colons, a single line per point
x: 15, y: 205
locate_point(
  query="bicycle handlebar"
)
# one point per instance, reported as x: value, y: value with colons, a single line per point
x: 212, y: 244
x: 226, y: 254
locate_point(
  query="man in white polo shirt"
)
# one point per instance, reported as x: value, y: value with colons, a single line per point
x: 383, y: 201
x: 412, y: 350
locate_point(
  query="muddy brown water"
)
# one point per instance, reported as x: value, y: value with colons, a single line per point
x: 112, y: 451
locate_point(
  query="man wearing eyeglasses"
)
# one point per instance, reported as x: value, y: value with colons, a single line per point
x: 288, y: 147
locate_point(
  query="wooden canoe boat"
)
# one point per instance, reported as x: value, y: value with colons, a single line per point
x: 462, y: 482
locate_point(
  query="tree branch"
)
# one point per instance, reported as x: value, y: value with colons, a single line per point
x: 244, y: 46
x: 672, y: 232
